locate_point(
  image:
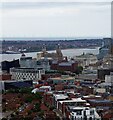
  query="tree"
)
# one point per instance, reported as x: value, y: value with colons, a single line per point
x: 37, y: 96
x: 29, y: 112
x: 37, y: 107
x: 29, y: 99
x: 4, y: 119
x: 41, y: 113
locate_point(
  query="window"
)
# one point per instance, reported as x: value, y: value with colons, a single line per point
x: 92, y: 112
x: 72, y: 118
x: 79, y: 112
x: 90, y: 118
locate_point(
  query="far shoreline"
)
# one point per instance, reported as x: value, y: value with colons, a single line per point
x: 6, y: 53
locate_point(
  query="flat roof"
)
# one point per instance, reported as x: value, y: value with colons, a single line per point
x: 60, y: 96
x: 21, y: 68
x: 45, y: 86
x: 101, y: 101
x: 74, y: 108
x: 91, y: 96
x: 62, y: 78
x: 8, y: 81
x: 73, y: 100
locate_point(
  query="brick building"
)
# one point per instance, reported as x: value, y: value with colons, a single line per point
x: 64, y: 66
x: 5, y: 77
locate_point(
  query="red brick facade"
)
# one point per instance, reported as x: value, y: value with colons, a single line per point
x: 71, y: 68
x: 5, y: 77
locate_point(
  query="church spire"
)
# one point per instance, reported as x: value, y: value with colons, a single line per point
x: 59, y: 53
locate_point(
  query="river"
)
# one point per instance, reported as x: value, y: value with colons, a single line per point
x: 66, y: 52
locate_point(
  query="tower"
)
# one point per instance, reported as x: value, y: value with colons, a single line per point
x: 44, y: 48
x: 59, y: 53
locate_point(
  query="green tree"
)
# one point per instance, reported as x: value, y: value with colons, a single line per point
x: 37, y: 96
x: 29, y: 99
x: 37, y: 107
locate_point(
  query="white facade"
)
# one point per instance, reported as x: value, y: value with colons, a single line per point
x: 84, y: 113
x: 59, y: 97
x: 45, y: 87
x: 86, y: 59
x: 26, y: 73
x: 108, y: 78
x: 108, y: 61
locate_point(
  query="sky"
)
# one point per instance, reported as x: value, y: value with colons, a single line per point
x: 64, y: 18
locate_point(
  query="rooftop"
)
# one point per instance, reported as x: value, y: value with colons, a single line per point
x: 60, y: 96
x: 62, y: 78
x: 44, y: 87
x: 73, y: 100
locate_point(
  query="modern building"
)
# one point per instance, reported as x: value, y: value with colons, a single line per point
x: 27, y: 73
x: 6, y: 65
x: 15, y: 84
x: 44, y: 63
x: 58, y: 97
x: 107, y: 64
x: 109, y: 78
x: 102, y: 72
x: 104, y: 49
x: 27, y: 62
x: 83, y: 113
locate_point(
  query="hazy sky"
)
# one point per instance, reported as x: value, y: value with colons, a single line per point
x: 32, y: 18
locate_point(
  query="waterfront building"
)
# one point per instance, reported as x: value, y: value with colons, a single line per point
x: 6, y: 65
x: 104, y: 49
x: 107, y: 63
x: 54, y: 55
x: 44, y: 63
x: 27, y: 62
x: 86, y: 59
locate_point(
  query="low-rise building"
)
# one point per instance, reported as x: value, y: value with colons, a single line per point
x: 83, y: 113
x: 58, y: 97
x: 62, y: 79
x: 45, y: 88
x: 15, y: 84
